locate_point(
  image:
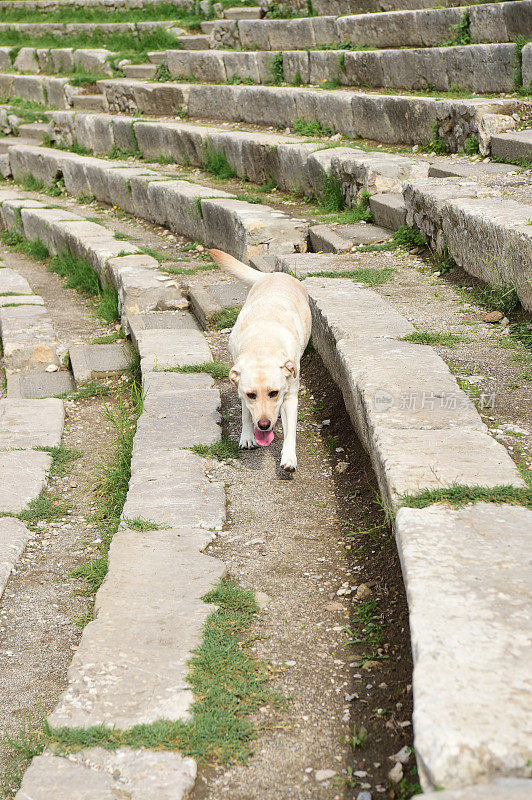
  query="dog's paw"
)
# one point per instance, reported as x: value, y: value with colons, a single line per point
x: 289, y: 462
x: 247, y: 442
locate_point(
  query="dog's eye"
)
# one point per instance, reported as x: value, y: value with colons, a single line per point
x: 252, y: 395
x: 273, y: 393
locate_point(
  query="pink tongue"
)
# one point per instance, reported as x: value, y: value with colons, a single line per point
x: 263, y: 438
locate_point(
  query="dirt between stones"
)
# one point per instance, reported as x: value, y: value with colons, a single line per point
x: 307, y: 544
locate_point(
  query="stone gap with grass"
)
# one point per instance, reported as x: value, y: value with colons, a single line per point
x: 382, y: 153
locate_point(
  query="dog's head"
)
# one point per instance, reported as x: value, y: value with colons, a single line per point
x: 262, y: 388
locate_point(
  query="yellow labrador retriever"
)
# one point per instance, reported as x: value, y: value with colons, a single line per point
x: 267, y: 343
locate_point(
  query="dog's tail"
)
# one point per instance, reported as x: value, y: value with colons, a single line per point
x: 236, y: 268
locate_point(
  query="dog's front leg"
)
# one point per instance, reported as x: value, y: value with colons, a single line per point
x: 247, y: 437
x: 289, y: 419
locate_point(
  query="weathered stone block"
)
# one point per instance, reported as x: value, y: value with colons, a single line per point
x: 13, y: 538
x: 23, y: 478
x: 30, y: 423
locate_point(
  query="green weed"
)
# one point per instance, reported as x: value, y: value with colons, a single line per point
x: 42, y: 509
x: 224, y: 319
x: 221, y: 450
x: 460, y: 495
x: 431, y: 338
x: 215, y: 369
x: 304, y: 128
x: 141, y: 524
x: 368, y: 275
x: 62, y: 456
x: 91, y: 389
x: 33, y: 248
x: 215, y: 162
x: 276, y: 70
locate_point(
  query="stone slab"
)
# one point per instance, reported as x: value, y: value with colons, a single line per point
x: 131, y: 665
x: 31, y: 423
x: 161, y: 321
x: 513, y: 146
x: 181, y: 419
x: 341, y: 238
x: 170, y: 487
x: 207, y: 301
x: 105, y: 775
x: 388, y: 210
x: 21, y: 300
x: 12, y: 282
x: 90, y: 361
x: 470, y: 626
x: 408, y: 461
x: 28, y: 338
x: 13, y: 538
x: 171, y: 348
x: 39, y: 384
x: 499, y: 789
x: 23, y: 478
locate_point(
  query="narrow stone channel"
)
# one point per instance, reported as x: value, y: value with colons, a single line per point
x: 320, y: 553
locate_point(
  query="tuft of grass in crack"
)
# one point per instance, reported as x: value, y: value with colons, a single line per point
x: 141, y: 524
x: 501, y: 297
x: 81, y: 276
x: 229, y: 685
x: 91, y: 389
x: 215, y: 162
x: 24, y: 745
x: 216, y: 369
x: 460, y: 495
x: 61, y: 458
x: 117, y: 336
x: 190, y: 270
x: 224, y: 319
x: 371, y: 276
x: 367, y: 629
x: 221, y: 450
x: 42, y: 509
x: 34, y: 248
x: 431, y: 338
x: 111, y: 489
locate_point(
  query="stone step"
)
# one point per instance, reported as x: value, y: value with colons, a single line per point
x: 450, y: 170
x: 59, y: 59
x: 385, y: 118
x: 34, y: 131
x: 206, y: 301
x: 34, y: 385
x: 27, y: 424
x: 291, y: 162
x: 13, y: 539
x: 7, y: 141
x: 89, y: 102
x: 103, y: 5
x: 189, y: 209
x: 57, y: 30
x: 207, y: 27
x: 388, y: 209
x: 242, y: 12
x: 92, y: 361
x: 28, y: 338
x: 24, y: 474
x: 157, y: 57
x: 435, y: 68
x: 143, y: 71
x: 514, y: 147
x: 48, y: 91
x: 393, y: 27
x: 343, y: 238
x: 489, y: 237
x: 198, y: 41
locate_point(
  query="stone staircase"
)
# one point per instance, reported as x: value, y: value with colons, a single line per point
x: 420, y: 114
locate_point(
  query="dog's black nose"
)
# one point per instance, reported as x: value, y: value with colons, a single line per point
x: 263, y: 423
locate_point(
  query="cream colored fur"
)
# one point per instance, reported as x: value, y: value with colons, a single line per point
x: 267, y: 342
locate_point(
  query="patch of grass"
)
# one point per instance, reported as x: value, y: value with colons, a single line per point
x: 224, y: 319
x: 92, y: 574
x: 369, y: 275
x: 220, y: 450
x: 431, y: 338
x: 108, y: 339
x: 472, y: 146
x: 42, y: 509
x: 367, y: 628
x: 461, y: 32
x: 190, y: 270
x: 107, y: 308
x: 408, y: 238
x: 215, y: 162
x: 460, y: 495
x: 91, y: 389
x: 331, y: 197
x: 33, y: 248
x: 229, y: 685
x: 61, y: 458
x: 502, y: 298
x: 276, y: 70
x: 437, y: 144
x: 215, y: 369
x: 78, y: 273
x: 141, y: 524
x: 304, y: 128
x: 162, y: 73
x: 80, y: 77
x: 24, y: 745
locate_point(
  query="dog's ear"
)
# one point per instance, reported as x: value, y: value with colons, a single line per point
x: 289, y: 368
x: 234, y: 375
